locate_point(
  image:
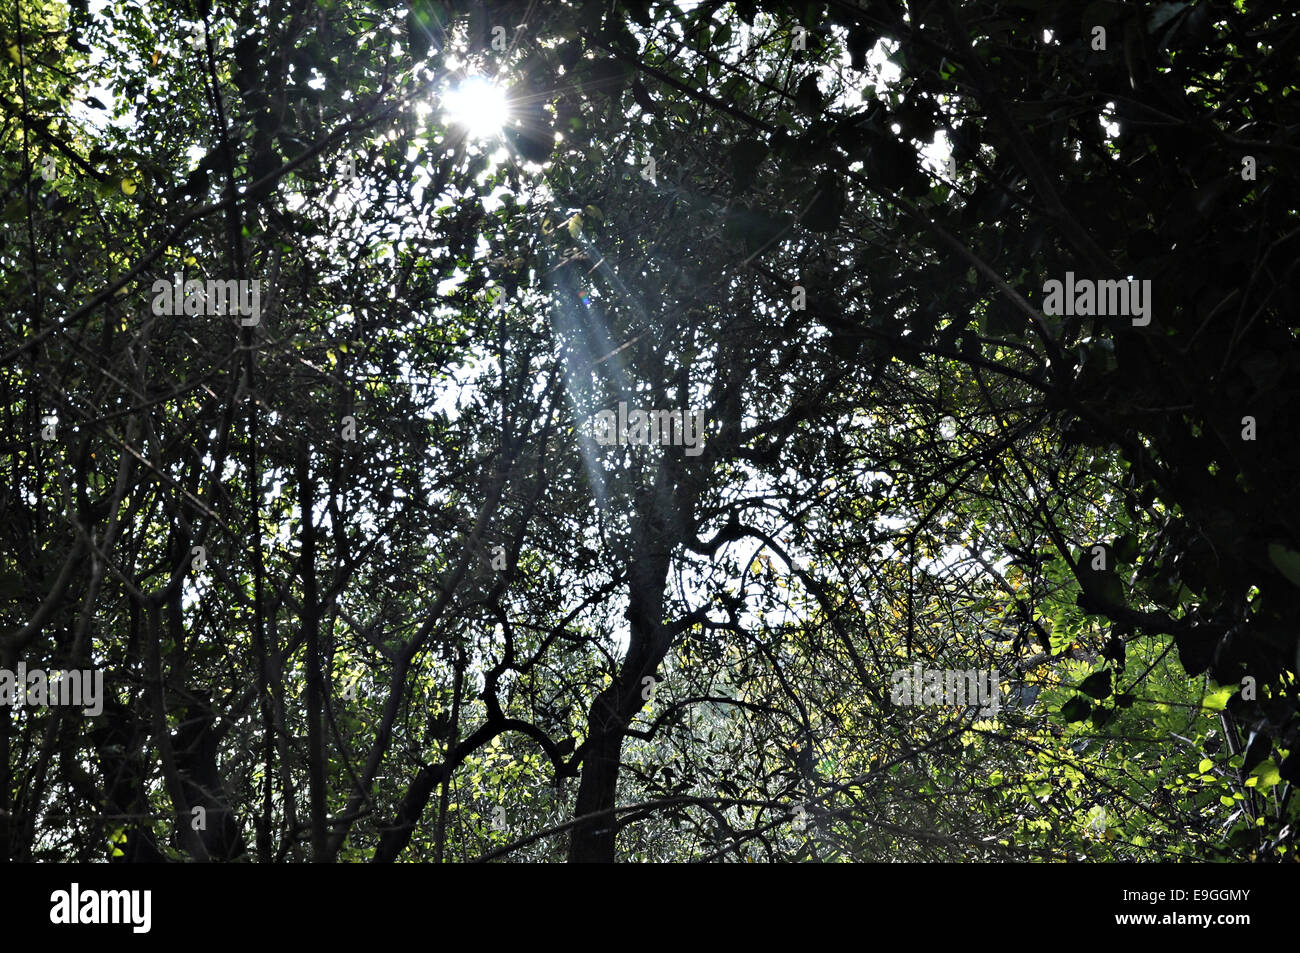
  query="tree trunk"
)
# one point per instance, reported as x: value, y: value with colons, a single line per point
x: 592, y: 841
x: 612, y: 711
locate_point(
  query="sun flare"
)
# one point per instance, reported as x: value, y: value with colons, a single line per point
x: 478, y: 106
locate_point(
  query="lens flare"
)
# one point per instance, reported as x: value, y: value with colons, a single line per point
x: 477, y: 106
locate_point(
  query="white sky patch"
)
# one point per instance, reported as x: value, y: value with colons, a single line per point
x: 1107, y: 120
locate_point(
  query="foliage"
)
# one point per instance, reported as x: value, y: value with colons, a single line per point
x: 473, y: 632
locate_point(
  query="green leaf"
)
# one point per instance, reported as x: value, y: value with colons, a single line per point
x: 1097, y: 684
x: 1076, y: 709
x: 1286, y: 560
x: 1265, y: 775
x: 823, y: 214
x: 1110, y: 589
x: 424, y: 20
x: 752, y: 229
x: 746, y: 157
x: 808, y: 97
x: 1125, y: 548
x: 1217, y: 700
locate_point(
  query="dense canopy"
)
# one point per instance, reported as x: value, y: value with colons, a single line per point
x: 606, y: 430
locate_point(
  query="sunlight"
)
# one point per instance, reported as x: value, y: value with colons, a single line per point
x: 478, y: 106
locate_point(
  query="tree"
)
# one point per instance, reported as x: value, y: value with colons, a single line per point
x: 374, y: 570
